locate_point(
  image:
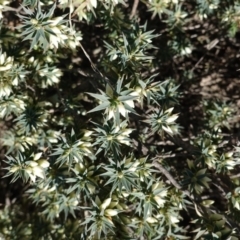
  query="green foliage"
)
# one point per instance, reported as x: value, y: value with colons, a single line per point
x: 106, y: 131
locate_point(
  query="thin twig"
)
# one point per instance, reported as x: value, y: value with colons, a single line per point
x: 198, y: 62
x: 95, y: 69
x: 134, y: 8
x: 185, y: 145
x: 29, y: 87
x: 235, y: 176
x: 157, y: 165
x: 209, y: 46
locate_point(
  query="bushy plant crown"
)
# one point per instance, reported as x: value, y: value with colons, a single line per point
x: 92, y: 129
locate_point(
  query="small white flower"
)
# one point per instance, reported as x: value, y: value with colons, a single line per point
x: 173, y: 219
x: 105, y: 203
x: 43, y: 163
x: 151, y: 220
x: 110, y: 212
x: 167, y: 129
x: 32, y: 163
x: 159, y: 201
x: 37, y: 156
x: 6, y: 63
x: 172, y: 118
x: 94, y: 3
x: 13, y: 169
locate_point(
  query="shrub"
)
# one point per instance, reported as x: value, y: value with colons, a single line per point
x: 109, y: 128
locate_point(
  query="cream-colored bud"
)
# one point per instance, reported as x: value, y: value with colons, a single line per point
x: 110, y: 212
x: 43, y: 163
x: 105, y: 203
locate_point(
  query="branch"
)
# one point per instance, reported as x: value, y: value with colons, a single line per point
x: 95, y: 69
x: 157, y: 165
x: 134, y: 8
x: 202, y: 210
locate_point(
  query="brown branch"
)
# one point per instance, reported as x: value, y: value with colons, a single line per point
x: 95, y: 69
x: 183, y: 144
x: 157, y: 165
x: 235, y: 176
x: 202, y: 209
x: 134, y: 8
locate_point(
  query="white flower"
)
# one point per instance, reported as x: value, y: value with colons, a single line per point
x: 236, y: 205
x: 93, y: 3
x: 38, y: 171
x: 167, y: 129
x: 105, y: 203
x: 110, y: 212
x: 159, y: 201
x: 6, y: 63
x: 151, y: 220
x: 14, y: 169
x: 173, y: 219
x: 43, y: 163
x: 172, y: 118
